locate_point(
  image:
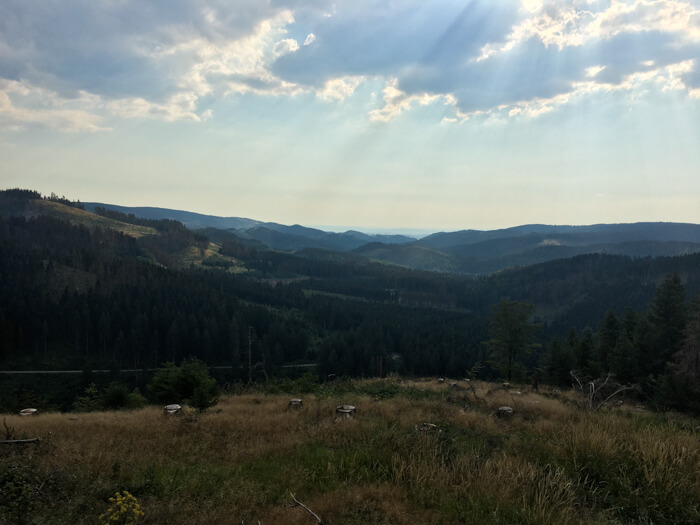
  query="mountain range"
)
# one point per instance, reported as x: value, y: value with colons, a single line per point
x: 464, y: 251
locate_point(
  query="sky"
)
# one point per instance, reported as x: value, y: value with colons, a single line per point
x: 440, y: 115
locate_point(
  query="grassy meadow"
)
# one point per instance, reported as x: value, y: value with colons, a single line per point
x: 550, y: 462
x: 85, y: 218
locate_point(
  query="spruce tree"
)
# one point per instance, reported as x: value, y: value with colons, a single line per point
x: 667, y: 319
x: 512, y: 333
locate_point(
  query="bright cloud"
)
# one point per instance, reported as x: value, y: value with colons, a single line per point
x: 169, y: 62
x: 23, y: 104
x: 576, y: 22
x: 338, y: 89
x: 396, y: 102
x: 665, y: 79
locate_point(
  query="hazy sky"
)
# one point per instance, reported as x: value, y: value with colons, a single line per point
x: 424, y: 114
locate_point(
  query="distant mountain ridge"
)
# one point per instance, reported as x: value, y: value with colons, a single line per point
x: 190, y: 219
x: 464, y: 251
x: 656, y: 231
x: 272, y: 234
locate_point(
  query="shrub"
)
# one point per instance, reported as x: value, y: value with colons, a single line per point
x: 116, y: 395
x: 190, y: 382
x: 17, y: 486
x: 88, y: 402
x: 136, y: 399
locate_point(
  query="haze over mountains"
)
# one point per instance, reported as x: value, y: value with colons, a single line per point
x: 465, y: 251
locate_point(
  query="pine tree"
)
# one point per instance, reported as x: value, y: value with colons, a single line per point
x: 512, y: 333
x: 584, y: 355
x: 608, y: 335
x: 559, y: 362
x: 667, y: 319
x: 686, y: 363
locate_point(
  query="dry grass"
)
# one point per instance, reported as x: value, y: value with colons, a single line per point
x: 548, y: 463
x: 85, y: 218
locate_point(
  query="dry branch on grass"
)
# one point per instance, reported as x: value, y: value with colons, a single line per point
x: 599, y: 392
x: 307, y: 509
x: 18, y: 441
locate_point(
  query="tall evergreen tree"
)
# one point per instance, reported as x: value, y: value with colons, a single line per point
x: 608, y: 335
x: 667, y: 319
x: 686, y: 362
x: 512, y: 333
x: 584, y: 355
x: 560, y: 361
x: 622, y: 360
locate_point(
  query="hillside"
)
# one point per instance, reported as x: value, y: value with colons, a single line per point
x: 271, y: 234
x: 466, y: 251
x: 192, y: 220
x: 77, y: 297
x: 550, y: 462
x: 77, y: 216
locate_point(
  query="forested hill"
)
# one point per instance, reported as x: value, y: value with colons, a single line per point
x: 483, y: 252
x: 466, y: 251
x: 270, y: 234
x: 82, y: 295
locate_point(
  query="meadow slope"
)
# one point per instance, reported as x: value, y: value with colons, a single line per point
x: 550, y: 463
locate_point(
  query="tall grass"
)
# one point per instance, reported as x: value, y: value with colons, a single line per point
x: 549, y: 463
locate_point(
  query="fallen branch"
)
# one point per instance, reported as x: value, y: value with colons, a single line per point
x: 18, y: 441
x: 307, y: 509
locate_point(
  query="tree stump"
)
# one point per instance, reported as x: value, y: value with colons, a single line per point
x: 343, y: 412
x: 504, y: 412
x: 295, y: 403
x: 28, y: 412
x: 171, y: 410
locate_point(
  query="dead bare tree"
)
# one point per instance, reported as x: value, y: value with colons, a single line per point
x: 599, y: 392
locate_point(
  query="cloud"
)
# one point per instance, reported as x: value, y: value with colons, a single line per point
x: 178, y: 107
x: 575, y: 22
x: 338, y: 89
x: 375, y: 38
x: 669, y: 78
x: 283, y: 47
x: 486, y: 55
x: 594, y: 70
x: 143, y: 60
x: 396, y: 102
x: 23, y: 105
x: 169, y: 60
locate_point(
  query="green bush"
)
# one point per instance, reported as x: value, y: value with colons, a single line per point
x: 190, y: 382
x: 115, y: 396
x: 89, y: 401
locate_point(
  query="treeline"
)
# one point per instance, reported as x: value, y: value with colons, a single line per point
x: 17, y: 198
x: 174, y: 236
x: 77, y: 298
x: 657, y: 348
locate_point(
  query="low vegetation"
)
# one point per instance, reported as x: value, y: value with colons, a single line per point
x: 549, y: 461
